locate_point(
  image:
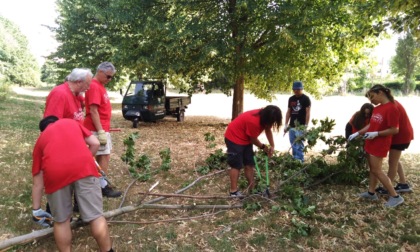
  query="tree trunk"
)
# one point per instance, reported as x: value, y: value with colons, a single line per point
x: 238, y: 97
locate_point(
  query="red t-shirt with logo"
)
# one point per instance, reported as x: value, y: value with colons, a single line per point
x: 405, y: 133
x: 97, y: 95
x: 243, y: 127
x: 62, y: 154
x: 383, y: 117
x: 62, y: 103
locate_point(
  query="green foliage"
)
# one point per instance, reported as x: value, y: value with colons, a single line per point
x: 141, y: 168
x: 165, y: 155
x: 17, y: 64
x: 406, y: 61
x: 216, y: 160
x: 260, y: 46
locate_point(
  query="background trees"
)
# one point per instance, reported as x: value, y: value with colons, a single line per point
x: 17, y: 64
x: 257, y: 45
x: 406, y: 61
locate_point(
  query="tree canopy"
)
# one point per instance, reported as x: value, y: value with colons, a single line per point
x: 406, y: 61
x: 17, y: 64
x: 258, y: 45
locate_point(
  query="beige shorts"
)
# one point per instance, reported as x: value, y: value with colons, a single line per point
x: 104, y: 149
x: 89, y: 197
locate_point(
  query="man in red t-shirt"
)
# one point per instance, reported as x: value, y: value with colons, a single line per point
x: 98, y: 119
x: 62, y: 162
x: 65, y: 100
x: 241, y: 134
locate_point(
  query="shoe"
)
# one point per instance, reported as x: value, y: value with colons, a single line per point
x: 381, y: 190
x: 107, y: 191
x: 366, y: 195
x: 403, y: 188
x: 236, y: 194
x: 393, y: 202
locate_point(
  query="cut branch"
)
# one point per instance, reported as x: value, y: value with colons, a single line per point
x: 23, y: 239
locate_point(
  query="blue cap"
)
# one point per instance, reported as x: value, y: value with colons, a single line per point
x: 297, y: 85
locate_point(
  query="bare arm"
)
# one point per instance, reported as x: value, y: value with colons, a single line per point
x: 37, y: 190
x: 93, y: 144
x: 286, y: 122
x: 269, y: 135
x: 95, y: 117
x: 389, y: 131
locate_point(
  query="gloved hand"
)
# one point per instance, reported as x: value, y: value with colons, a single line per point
x: 42, y: 218
x: 353, y: 136
x: 286, y: 129
x: 370, y: 135
x: 102, y: 137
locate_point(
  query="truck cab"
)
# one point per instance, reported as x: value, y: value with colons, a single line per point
x: 147, y: 101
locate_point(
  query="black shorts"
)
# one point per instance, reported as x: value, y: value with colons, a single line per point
x: 239, y: 155
x: 400, y: 147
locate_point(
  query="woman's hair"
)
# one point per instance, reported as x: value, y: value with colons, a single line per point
x: 359, y: 117
x: 376, y: 88
x: 271, y: 116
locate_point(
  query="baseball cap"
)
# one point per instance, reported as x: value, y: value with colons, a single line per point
x: 297, y: 85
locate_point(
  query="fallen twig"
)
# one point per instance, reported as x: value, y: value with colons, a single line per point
x: 167, y: 220
x: 170, y: 195
x: 23, y: 239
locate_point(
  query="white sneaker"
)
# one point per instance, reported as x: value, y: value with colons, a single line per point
x: 393, y: 202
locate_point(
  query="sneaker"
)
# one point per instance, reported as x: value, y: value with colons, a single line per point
x: 403, y: 188
x: 393, y: 202
x: 381, y: 190
x: 107, y: 191
x: 236, y: 194
x: 367, y: 195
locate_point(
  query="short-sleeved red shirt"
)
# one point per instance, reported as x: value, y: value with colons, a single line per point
x: 62, y: 154
x: 98, y: 95
x: 405, y: 133
x: 383, y: 117
x: 243, y: 127
x: 62, y: 103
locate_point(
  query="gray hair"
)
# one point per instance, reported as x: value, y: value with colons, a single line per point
x: 106, y: 66
x: 79, y: 74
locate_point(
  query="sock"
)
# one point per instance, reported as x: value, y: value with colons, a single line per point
x: 103, y: 182
x: 396, y: 196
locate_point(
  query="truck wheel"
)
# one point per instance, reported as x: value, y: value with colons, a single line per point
x: 180, y: 117
x: 135, y: 122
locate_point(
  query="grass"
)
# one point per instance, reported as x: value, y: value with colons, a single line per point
x: 340, y: 223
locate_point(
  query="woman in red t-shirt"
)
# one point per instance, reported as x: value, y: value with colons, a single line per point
x: 400, y: 142
x: 241, y: 134
x: 359, y: 120
x: 378, y: 134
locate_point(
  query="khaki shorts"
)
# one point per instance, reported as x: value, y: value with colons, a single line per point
x: 89, y: 197
x: 104, y: 149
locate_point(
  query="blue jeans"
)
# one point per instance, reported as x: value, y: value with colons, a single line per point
x: 297, y: 147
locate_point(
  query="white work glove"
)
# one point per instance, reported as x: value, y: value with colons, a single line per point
x: 42, y: 218
x: 353, y: 136
x: 370, y: 135
x: 102, y: 137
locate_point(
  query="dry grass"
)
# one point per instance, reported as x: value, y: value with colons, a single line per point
x: 341, y: 222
